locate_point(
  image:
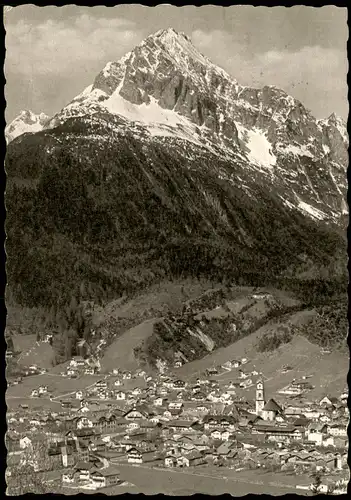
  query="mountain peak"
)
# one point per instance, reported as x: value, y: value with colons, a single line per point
x: 178, y: 46
x: 169, y: 33
x: 334, y: 118
x: 25, y: 121
x: 26, y: 114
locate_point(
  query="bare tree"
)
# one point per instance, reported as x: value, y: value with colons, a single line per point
x: 23, y: 479
x: 30, y: 473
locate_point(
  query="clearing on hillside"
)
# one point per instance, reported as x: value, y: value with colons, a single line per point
x: 120, y: 354
x: 160, y: 298
x: 32, y: 352
x: 56, y: 384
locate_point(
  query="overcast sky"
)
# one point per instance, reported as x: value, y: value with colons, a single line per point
x: 55, y: 52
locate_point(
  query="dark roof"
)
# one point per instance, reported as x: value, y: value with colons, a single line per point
x: 254, y: 419
x: 180, y: 423
x: 134, y: 450
x: 272, y: 406
x: 194, y: 454
x: 84, y: 466
x: 301, y: 421
x: 109, y: 471
x: 272, y: 428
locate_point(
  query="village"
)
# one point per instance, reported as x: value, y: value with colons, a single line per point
x: 88, y: 438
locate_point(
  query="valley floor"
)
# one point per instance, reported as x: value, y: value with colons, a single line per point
x: 205, y: 480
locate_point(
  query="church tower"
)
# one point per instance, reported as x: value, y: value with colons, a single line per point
x: 260, y: 402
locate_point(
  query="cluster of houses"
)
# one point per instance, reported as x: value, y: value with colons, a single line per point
x: 169, y: 422
x: 90, y: 476
x: 78, y: 366
x: 228, y: 366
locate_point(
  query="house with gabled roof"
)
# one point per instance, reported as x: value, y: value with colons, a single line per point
x: 83, y: 470
x: 135, y: 456
x: 68, y: 477
x: 83, y: 422
x: 167, y: 415
x: 175, y: 405
x: 301, y: 422
x: 337, y: 429
x: 280, y: 433
x: 182, y: 426
x: 328, y: 401
x: 170, y: 461
x: 103, y: 478
x: 120, y: 395
x: 216, y: 434
x: 270, y: 410
x: 77, y: 361
x: 137, y: 413
x: 316, y: 432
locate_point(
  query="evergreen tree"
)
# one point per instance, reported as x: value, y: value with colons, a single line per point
x: 9, y: 343
x: 58, y: 345
x: 317, y: 482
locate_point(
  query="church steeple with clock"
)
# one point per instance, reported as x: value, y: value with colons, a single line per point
x: 260, y: 400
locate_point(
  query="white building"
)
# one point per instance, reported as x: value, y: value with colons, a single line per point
x: 25, y: 442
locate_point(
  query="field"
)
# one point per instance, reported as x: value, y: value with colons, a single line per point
x: 13, y: 403
x: 32, y: 352
x: 159, y: 298
x: 120, y: 353
x: 214, y: 313
x: 203, y: 480
x: 59, y: 386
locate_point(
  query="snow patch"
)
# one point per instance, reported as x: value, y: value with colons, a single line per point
x: 89, y: 96
x: 85, y: 92
x: 246, y: 105
x: 342, y: 130
x: 151, y: 113
x: 106, y: 70
x: 160, y: 121
x: 260, y: 149
x: 312, y: 211
x: 287, y: 203
x: 344, y: 207
x: 295, y: 150
x: 205, y: 339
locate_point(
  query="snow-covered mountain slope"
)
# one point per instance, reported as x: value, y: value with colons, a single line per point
x: 166, y: 88
x: 25, y: 122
